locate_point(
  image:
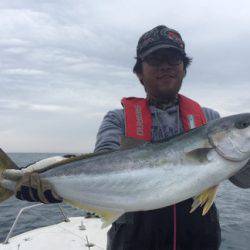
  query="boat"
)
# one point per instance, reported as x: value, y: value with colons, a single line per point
x: 78, y: 233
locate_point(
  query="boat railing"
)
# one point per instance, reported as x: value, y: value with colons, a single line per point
x: 66, y: 219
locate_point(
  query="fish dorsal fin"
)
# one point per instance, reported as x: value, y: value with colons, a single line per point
x: 205, y: 199
x: 129, y: 142
x: 199, y: 154
x: 107, y: 216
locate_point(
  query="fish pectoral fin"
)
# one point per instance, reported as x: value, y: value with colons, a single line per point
x: 199, y: 154
x: 205, y: 199
x: 107, y: 216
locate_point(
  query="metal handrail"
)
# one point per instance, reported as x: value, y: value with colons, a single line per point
x: 66, y: 219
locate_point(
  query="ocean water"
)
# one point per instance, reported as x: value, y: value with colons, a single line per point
x: 233, y: 205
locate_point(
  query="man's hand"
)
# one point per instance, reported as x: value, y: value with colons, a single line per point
x: 242, y: 178
x: 31, y: 188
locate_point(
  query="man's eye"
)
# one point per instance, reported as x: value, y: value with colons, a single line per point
x: 153, y: 61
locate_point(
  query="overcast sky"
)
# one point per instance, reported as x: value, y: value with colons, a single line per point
x: 65, y: 63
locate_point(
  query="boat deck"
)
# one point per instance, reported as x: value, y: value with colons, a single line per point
x: 79, y: 234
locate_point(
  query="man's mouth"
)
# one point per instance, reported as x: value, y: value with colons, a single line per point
x: 168, y: 75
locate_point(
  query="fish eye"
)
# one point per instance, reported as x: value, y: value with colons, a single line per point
x: 242, y: 125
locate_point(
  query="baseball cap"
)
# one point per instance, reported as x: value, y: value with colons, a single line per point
x: 158, y: 38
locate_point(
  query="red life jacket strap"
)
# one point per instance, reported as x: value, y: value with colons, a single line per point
x: 191, y: 113
x: 138, y: 120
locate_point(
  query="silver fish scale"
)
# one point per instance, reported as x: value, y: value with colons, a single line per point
x: 124, y: 160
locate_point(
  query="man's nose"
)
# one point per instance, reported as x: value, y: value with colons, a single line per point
x: 164, y: 66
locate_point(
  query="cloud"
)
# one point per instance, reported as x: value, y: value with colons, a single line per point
x: 64, y: 64
x: 22, y: 72
x: 13, y: 42
x: 227, y: 100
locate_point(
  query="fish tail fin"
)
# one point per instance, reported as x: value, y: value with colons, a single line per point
x: 5, y: 163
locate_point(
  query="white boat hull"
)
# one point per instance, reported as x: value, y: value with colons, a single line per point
x: 63, y: 236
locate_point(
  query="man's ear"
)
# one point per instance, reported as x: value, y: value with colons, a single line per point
x: 140, y: 78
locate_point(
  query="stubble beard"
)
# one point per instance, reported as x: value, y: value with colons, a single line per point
x: 165, y: 96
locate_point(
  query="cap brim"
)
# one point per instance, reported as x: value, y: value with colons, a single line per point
x: 160, y: 46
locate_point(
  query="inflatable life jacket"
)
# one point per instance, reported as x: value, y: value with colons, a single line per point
x: 138, y: 124
x: 138, y: 120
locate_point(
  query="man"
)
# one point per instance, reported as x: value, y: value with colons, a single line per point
x: 161, y: 65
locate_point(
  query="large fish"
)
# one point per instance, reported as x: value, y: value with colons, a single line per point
x: 149, y: 176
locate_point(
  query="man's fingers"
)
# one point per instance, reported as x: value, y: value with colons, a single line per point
x: 12, y: 174
x: 31, y: 188
x: 51, y: 197
x: 8, y: 184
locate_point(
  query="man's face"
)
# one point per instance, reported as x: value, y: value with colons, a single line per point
x: 162, y: 74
